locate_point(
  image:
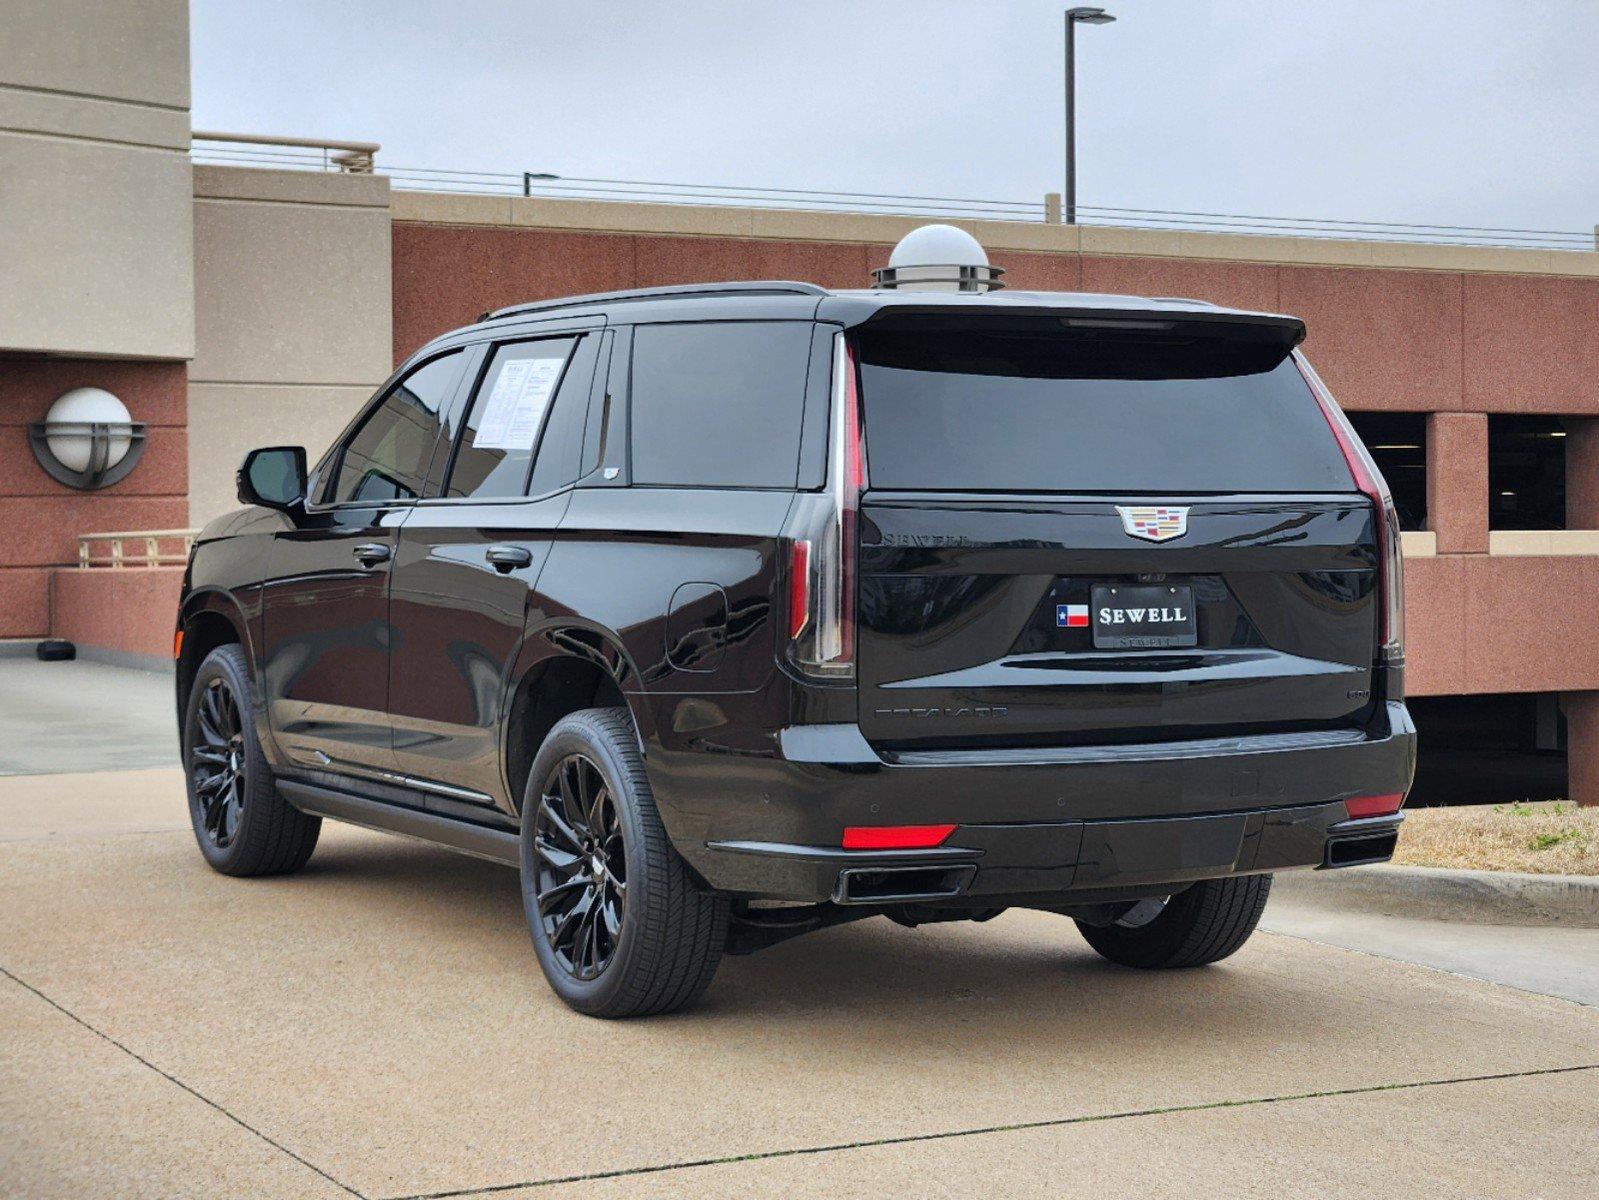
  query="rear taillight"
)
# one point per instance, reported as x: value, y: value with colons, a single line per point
x: 821, y: 537
x: 1390, y: 566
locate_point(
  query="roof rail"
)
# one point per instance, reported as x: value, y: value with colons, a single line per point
x: 767, y: 287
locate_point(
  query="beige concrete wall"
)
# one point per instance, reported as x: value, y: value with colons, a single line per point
x: 227, y: 420
x: 293, y: 296
x: 97, y: 252
x: 136, y: 50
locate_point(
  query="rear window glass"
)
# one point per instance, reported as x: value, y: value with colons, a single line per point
x: 719, y: 404
x: 963, y: 411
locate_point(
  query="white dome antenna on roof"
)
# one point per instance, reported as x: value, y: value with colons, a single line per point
x: 938, y: 258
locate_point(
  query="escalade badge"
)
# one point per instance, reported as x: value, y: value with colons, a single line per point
x: 1154, y: 523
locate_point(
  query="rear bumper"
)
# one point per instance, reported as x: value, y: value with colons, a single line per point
x: 1065, y: 860
x: 1033, y: 825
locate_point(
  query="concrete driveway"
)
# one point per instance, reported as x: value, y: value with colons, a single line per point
x: 376, y: 1027
x: 82, y: 716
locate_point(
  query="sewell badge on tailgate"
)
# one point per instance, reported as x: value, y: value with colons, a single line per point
x: 1154, y: 523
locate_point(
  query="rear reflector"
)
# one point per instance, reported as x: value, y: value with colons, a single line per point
x: 1374, y: 806
x: 895, y: 837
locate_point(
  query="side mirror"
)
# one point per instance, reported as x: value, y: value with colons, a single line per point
x: 273, y: 476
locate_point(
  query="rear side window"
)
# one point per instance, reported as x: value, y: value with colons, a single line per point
x: 495, y: 453
x: 718, y: 404
x: 965, y: 411
x: 562, y: 443
x: 387, y: 458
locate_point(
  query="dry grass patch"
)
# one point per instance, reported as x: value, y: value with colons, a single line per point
x: 1551, y: 838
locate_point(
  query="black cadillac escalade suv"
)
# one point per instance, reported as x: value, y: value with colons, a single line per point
x: 735, y: 611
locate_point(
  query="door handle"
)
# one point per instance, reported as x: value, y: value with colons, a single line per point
x: 372, y: 553
x: 507, y: 558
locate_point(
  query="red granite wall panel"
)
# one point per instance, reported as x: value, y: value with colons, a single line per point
x: 40, y: 519
x: 1531, y: 344
x: 446, y: 276
x: 1235, y: 285
x: 1382, y: 339
x: 1457, y: 481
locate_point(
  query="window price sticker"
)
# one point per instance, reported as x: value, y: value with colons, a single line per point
x: 515, y: 408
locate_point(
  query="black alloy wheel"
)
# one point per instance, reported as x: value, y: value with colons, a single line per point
x: 620, y: 925
x: 217, y: 757
x: 242, y: 824
x: 581, y: 880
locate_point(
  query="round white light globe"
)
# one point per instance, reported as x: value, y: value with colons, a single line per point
x: 87, y: 405
x: 931, y: 252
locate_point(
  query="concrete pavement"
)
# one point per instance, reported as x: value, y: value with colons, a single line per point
x: 82, y: 716
x: 1550, y: 960
x: 376, y: 1026
x: 1448, y: 1140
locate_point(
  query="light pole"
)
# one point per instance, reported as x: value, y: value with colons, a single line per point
x: 529, y: 178
x: 1087, y: 16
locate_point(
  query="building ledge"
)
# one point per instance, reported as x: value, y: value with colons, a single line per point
x: 265, y: 185
x: 1418, y: 544
x: 727, y: 221
x: 1543, y: 542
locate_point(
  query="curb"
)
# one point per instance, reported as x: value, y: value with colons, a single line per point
x: 130, y: 660
x: 1479, y: 897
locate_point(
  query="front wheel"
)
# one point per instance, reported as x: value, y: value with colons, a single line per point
x: 1203, y: 924
x: 241, y: 823
x: 620, y: 926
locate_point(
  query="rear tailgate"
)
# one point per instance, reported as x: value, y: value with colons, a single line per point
x: 971, y: 619
x: 1122, y: 532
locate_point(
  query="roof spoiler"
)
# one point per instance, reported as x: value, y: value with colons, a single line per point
x: 1265, y: 338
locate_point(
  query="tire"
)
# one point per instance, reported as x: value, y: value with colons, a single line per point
x: 588, y: 815
x: 241, y: 823
x: 1203, y: 924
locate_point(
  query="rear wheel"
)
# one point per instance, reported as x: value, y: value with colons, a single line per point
x: 1203, y: 924
x: 620, y: 926
x: 243, y: 826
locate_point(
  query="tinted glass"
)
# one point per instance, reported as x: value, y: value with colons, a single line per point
x: 388, y: 457
x: 962, y: 411
x: 562, y: 443
x: 718, y: 404
x: 508, y: 415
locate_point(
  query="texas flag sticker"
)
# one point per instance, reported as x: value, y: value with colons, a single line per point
x: 1071, y: 616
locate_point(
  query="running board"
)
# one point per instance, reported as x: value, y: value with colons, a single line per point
x: 496, y: 845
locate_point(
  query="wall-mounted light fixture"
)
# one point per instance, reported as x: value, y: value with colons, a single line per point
x: 87, y: 440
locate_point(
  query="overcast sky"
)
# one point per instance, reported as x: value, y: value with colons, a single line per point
x: 1473, y: 112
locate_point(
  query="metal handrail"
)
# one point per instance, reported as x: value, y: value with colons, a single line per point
x: 353, y: 157
x: 150, y: 555
x: 297, y: 153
